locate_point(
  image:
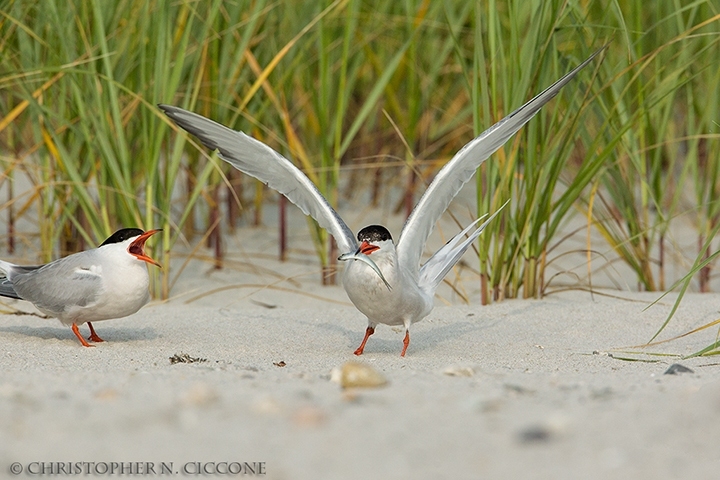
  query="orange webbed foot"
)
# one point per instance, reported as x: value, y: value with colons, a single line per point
x: 94, y: 336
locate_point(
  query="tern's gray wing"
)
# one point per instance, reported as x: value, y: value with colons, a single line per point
x: 461, y: 168
x: 73, y: 281
x: 256, y: 159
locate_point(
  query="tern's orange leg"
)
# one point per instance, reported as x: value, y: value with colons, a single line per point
x: 80, y: 337
x: 94, y: 336
x: 406, y: 342
x: 368, y: 332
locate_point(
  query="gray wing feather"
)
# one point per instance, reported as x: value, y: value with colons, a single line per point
x: 11, y: 270
x: 435, y: 269
x: 461, y: 168
x: 61, y: 284
x: 7, y: 290
x: 256, y: 159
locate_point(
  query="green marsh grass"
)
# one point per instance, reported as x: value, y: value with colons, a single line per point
x: 630, y: 145
x: 547, y: 168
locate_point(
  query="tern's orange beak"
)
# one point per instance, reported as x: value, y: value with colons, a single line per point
x: 367, y: 249
x: 137, y: 247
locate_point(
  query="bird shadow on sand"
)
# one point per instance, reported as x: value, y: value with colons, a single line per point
x: 470, y: 327
x: 424, y: 336
x: 441, y: 327
x: 110, y: 335
x: 430, y: 339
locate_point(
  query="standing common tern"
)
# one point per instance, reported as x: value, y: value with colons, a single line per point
x: 110, y: 281
x: 410, y: 297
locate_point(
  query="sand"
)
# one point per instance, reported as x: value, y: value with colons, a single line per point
x: 524, y: 387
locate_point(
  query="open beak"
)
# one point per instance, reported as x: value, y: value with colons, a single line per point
x: 367, y: 248
x: 137, y: 247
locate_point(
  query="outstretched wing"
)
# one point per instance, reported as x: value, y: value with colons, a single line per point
x: 461, y: 168
x: 435, y: 269
x: 256, y: 159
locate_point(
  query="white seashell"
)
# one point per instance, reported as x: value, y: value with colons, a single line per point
x: 355, y: 374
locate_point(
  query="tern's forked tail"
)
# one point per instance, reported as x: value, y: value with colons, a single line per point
x: 435, y: 269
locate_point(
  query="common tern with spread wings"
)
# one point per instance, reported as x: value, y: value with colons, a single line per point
x: 403, y: 293
x: 110, y: 281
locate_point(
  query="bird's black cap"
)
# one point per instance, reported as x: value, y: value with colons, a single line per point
x: 374, y: 233
x: 122, y: 235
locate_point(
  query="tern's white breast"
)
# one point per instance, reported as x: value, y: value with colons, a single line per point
x: 405, y: 303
